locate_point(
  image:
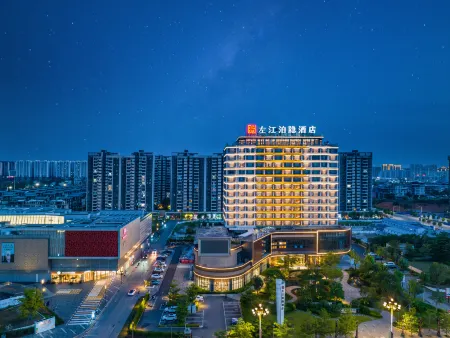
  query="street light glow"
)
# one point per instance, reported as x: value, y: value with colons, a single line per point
x: 260, y: 312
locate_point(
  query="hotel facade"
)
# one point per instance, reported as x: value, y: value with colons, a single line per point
x: 281, y: 196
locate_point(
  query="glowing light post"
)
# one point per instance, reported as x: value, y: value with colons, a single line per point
x: 260, y: 311
x: 393, y: 306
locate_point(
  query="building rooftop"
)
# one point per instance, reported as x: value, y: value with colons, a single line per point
x: 63, y: 219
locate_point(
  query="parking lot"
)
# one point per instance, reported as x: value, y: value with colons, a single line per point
x: 231, y: 309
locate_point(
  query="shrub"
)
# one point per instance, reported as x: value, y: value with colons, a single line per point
x: 289, y: 307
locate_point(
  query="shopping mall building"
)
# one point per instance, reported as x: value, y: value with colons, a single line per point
x: 280, y: 197
x: 63, y: 246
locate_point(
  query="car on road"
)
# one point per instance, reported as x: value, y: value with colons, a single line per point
x: 169, y: 317
x: 390, y: 265
x: 199, y: 299
x: 160, y: 264
x: 132, y: 292
x: 154, y: 252
x: 155, y: 282
x: 156, y: 276
x: 161, y: 259
x: 171, y: 309
x: 158, y: 269
x: 234, y: 321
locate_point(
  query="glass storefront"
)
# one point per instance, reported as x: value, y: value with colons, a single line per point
x: 77, y: 277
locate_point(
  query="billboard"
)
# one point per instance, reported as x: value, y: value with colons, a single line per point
x: 44, y: 325
x: 7, y: 252
x: 280, y: 297
x: 91, y: 244
x: 214, y: 247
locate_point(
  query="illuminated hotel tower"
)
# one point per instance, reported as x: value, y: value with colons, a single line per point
x: 281, y: 176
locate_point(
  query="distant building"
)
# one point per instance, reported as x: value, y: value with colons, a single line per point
x: 7, y: 168
x: 188, y: 182
x: 162, y: 180
x: 214, y: 182
x: 138, y: 185
x: 355, y: 181
x: 392, y: 167
x: 104, y: 184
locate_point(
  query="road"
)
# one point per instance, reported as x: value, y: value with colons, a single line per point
x: 112, y: 319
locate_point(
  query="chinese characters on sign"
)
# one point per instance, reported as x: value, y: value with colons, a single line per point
x: 254, y: 130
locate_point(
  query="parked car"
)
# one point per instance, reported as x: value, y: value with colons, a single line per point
x: 169, y: 317
x: 132, y: 292
x: 155, y: 282
x: 171, y: 309
x: 158, y: 270
x: 161, y: 258
x: 156, y: 276
x: 160, y: 264
x: 154, y: 252
x: 199, y: 299
x: 234, y: 321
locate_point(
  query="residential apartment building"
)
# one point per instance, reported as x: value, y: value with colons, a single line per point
x: 162, y: 180
x: 105, y: 181
x: 355, y: 181
x: 138, y: 187
x: 214, y: 182
x: 7, y: 168
x: 188, y: 182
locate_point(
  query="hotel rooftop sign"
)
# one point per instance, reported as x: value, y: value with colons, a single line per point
x: 254, y: 130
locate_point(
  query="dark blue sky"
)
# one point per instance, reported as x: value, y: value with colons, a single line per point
x: 79, y: 76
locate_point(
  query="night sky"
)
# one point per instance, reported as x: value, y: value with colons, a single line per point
x: 164, y: 76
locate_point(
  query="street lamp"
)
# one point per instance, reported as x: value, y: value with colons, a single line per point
x: 260, y: 311
x: 393, y: 306
x: 121, y: 274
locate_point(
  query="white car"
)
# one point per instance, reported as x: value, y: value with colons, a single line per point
x: 171, y: 309
x: 390, y: 265
x: 169, y: 317
x: 199, y: 299
x: 156, y: 276
x: 132, y: 292
x: 158, y: 269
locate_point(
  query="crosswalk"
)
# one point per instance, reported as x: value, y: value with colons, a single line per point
x: 68, y: 291
x: 86, y: 311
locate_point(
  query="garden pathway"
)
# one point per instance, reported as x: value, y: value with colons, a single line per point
x: 289, y: 290
x: 350, y: 292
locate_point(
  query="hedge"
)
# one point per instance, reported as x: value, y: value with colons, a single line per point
x: 135, y: 315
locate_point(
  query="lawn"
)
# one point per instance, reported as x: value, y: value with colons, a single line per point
x: 422, y: 265
x: 297, y: 317
x: 12, y: 317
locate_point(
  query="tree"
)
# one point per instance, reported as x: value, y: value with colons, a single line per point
x: 414, y: 288
x: 32, y: 302
x: 192, y: 292
x: 283, y: 330
x: 330, y: 259
x: 331, y: 272
x: 403, y: 263
x: 309, y: 324
x: 182, y: 309
x: 409, y: 321
x: 355, y: 257
x: 325, y: 325
x: 445, y: 322
x: 438, y: 273
x: 174, y: 293
x: 242, y: 329
x: 346, y: 324
x: 258, y: 283
x: 336, y: 291
x: 221, y: 334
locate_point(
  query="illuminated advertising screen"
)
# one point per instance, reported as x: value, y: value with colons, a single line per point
x: 8, y: 253
x: 214, y: 247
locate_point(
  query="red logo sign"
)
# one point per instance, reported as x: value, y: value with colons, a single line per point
x: 251, y: 130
